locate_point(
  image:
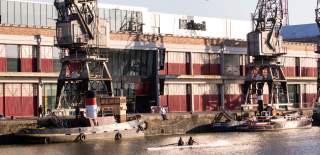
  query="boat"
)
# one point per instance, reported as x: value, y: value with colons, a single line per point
x: 58, y: 130
x: 316, y: 114
x: 110, y: 122
x: 219, y: 143
x: 227, y: 121
x: 268, y: 122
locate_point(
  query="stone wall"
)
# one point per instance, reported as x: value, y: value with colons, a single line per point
x: 13, y: 126
x: 178, y: 123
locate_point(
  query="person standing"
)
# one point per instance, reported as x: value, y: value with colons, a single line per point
x: 40, y: 111
x: 163, y: 113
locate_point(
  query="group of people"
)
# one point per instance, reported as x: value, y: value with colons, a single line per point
x: 191, y: 141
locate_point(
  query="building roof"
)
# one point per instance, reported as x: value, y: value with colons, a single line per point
x: 293, y: 32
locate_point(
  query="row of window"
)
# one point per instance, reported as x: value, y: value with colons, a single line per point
x: 49, y: 96
x: 42, y: 14
x: 13, y: 58
x: 130, y: 63
x: 122, y: 20
x: 24, y: 13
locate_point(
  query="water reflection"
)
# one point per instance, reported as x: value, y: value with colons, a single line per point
x: 286, y: 142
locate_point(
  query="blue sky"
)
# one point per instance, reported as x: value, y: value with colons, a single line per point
x: 301, y: 11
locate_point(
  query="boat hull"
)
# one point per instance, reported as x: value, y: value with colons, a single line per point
x: 131, y: 129
x: 65, y: 138
x: 280, y: 125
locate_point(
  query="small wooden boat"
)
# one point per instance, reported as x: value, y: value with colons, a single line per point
x: 80, y: 130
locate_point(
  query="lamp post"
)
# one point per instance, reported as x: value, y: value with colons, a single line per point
x: 222, y: 93
x: 38, y: 39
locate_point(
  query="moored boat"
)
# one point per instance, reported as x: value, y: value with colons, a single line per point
x: 80, y: 130
x: 267, y: 122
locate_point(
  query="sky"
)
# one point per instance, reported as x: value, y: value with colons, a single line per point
x: 300, y: 11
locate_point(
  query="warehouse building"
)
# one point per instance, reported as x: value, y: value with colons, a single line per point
x: 203, y: 67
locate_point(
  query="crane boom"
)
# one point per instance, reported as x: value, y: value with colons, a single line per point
x: 317, y: 16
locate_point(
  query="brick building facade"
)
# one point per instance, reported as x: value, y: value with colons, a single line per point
x: 203, y: 70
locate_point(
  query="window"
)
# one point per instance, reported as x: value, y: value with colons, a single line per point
x: 298, y: 69
x: 118, y: 20
x: 24, y: 13
x: 4, y: 11
x: 294, y: 94
x: 107, y: 14
x: 37, y: 16
x: 56, y: 59
x: 12, y: 58
x: 30, y: 14
x: 11, y: 12
x: 50, y: 20
x: 113, y: 20
x: 43, y: 15
x: 55, y: 16
x: 49, y: 96
x: 101, y: 13
x: 17, y: 13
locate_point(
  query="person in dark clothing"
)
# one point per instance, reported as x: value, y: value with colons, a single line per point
x: 180, y: 142
x: 77, y: 111
x: 191, y: 141
x: 40, y: 111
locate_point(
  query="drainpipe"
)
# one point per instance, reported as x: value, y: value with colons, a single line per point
x: 191, y: 73
x: 222, y: 93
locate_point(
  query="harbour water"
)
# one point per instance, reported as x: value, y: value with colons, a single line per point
x: 285, y: 142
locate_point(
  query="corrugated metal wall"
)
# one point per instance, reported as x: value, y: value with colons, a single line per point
x: 205, y: 97
x: 309, y: 95
x: 1, y: 100
x: 46, y: 59
x: 29, y: 99
x: 308, y: 67
x: 233, y: 96
x: 13, y: 104
x: 232, y: 65
x: 3, y: 60
x: 176, y: 63
x: 175, y: 97
x: 26, y: 59
x: 289, y: 68
x: 205, y: 64
x: 19, y: 100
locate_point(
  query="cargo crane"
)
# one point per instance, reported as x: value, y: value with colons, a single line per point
x: 317, y: 13
x: 80, y: 34
x: 265, y: 47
